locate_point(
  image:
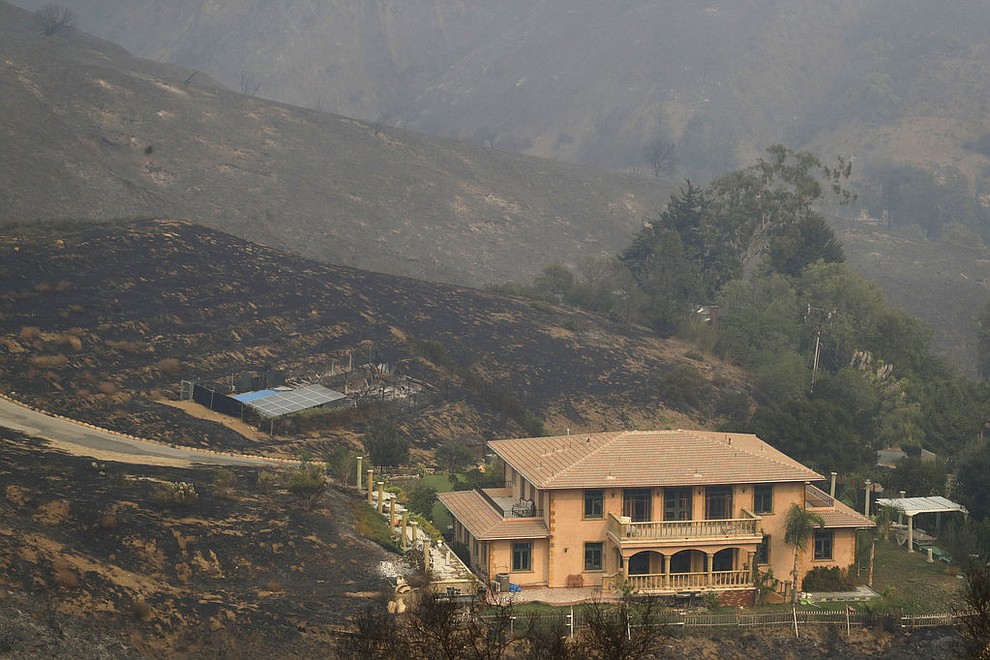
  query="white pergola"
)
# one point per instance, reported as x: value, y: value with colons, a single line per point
x: 912, y: 506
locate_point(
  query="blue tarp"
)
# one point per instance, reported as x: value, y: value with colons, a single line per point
x: 514, y: 588
x: 254, y: 396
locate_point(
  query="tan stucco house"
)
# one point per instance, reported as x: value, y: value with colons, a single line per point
x: 660, y: 512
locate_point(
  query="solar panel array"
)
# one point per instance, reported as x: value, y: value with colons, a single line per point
x: 284, y: 403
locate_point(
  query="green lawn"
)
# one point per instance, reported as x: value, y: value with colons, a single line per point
x: 907, y: 580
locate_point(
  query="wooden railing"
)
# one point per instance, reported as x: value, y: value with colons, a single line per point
x: 683, y: 529
x: 673, y: 582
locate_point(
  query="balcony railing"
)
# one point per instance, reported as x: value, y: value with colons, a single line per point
x: 815, y: 498
x: 683, y: 530
x: 675, y: 582
x: 511, y: 508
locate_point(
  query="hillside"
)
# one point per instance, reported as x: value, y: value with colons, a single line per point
x: 88, y: 132
x: 92, y: 133
x: 593, y: 83
x: 94, y: 565
x: 100, y: 321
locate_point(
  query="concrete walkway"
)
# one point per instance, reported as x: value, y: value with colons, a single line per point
x: 859, y: 593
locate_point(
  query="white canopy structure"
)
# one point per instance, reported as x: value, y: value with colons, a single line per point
x: 912, y: 506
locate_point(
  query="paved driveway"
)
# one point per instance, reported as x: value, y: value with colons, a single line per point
x: 83, y: 438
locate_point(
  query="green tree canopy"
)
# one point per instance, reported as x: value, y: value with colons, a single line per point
x: 422, y: 499
x: 385, y: 445
x: 454, y: 455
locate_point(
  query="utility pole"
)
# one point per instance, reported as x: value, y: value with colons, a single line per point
x: 823, y: 316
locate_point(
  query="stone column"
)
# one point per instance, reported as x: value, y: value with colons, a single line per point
x: 360, y: 459
x: 711, y: 569
x: 869, y: 491
x: 831, y: 488
x: 415, y: 533
x: 371, y: 486
x: 404, y: 527
x: 391, y: 515
x: 910, y: 533
x: 426, y: 555
x: 381, y: 496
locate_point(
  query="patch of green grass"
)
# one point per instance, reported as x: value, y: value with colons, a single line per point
x: 372, y: 525
x: 908, y: 581
x: 438, y: 481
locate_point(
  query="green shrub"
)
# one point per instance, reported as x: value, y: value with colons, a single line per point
x: 825, y: 578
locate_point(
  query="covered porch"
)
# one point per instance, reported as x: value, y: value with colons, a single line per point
x: 673, y: 571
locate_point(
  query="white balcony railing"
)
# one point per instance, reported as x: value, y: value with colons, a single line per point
x: 684, y: 530
x: 673, y: 582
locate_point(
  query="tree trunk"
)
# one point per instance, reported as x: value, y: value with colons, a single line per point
x: 794, y: 587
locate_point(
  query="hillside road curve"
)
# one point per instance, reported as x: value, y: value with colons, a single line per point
x: 83, y: 440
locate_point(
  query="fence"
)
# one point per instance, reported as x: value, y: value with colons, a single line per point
x: 742, y: 619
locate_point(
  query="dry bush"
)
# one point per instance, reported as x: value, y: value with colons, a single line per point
x: 30, y: 333
x: 43, y: 287
x: 50, y: 361
x: 55, y: 18
x: 267, y: 481
x: 83, y: 392
x: 176, y: 494
x: 224, y: 481
x: 106, y: 387
x: 62, y: 286
x: 65, y: 576
x: 107, y: 521
x: 142, y: 611
x: 125, y: 346
x: 169, y: 366
x: 70, y: 340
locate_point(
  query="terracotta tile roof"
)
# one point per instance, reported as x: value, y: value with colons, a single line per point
x: 833, y: 512
x: 649, y: 458
x: 485, y: 523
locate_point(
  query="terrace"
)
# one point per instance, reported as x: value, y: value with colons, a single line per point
x: 626, y: 533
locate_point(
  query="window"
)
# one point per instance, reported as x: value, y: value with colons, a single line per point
x: 636, y: 503
x: 763, y: 498
x: 594, y: 503
x: 593, y: 556
x: 823, y: 544
x: 718, y: 502
x: 677, y: 504
x: 763, y: 551
x: 522, y: 556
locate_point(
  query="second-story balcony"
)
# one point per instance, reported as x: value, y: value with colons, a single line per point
x: 501, y: 500
x: 673, y: 532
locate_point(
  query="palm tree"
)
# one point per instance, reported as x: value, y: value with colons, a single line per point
x: 798, y: 527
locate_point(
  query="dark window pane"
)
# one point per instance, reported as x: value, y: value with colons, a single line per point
x: 522, y: 556
x: 677, y: 504
x: 636, y: 503
x: 593, y: 556
x: 594, y: 501
x: 763, y: 498
x: 718, y: 502
x: 823, y: 544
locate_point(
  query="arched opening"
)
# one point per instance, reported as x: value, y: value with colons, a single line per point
x: 689, y: 561
x: 646, y: 563
x: 724, y: 560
